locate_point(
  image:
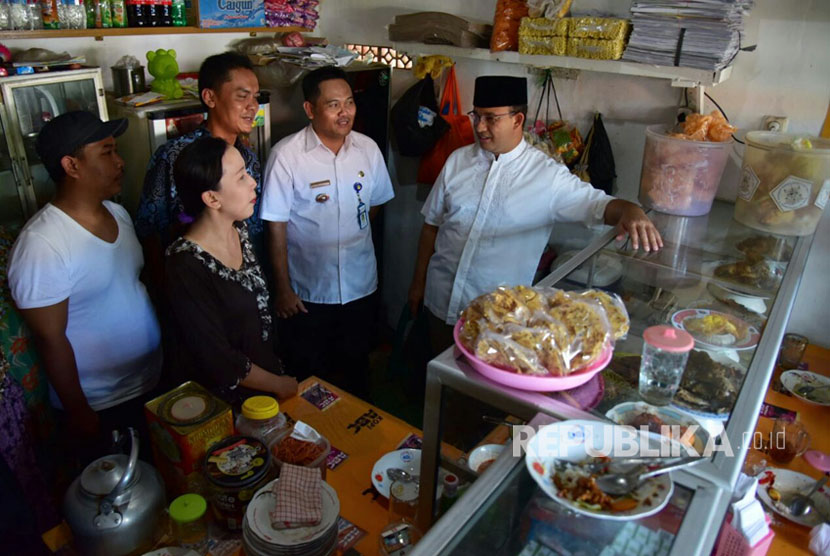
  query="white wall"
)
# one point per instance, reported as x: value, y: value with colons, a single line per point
x: 788, y: 74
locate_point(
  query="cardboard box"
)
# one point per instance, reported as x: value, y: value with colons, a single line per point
x: 183, y: 424
x: 217, y: 14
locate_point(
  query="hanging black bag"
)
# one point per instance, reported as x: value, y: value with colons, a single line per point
x: 415, y: 120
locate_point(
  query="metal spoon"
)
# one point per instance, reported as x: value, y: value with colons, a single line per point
x: 617, y: 484
x: 800, y: 505
x: 397, y: 474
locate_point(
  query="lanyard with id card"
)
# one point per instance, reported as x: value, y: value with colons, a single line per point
x: 362, y: 213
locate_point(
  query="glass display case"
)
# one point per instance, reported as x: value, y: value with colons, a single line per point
x: 710, y: 266
x: 28, y: 102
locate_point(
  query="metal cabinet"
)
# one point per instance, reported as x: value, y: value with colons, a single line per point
x: 27, y: 103
x: 688, y: 273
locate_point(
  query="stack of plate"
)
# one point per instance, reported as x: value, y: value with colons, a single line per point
x: 261, y: 539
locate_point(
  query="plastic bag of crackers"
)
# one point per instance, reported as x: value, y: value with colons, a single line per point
x: 542, y: 331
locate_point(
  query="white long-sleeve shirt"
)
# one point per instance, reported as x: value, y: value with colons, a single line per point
x: 494, y: 218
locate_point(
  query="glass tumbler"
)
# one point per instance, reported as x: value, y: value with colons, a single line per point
x: 792, y: 350
x: 665, y: 352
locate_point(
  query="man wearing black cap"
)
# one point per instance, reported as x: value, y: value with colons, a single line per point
x: 73, y: 272
x: 493, y: 207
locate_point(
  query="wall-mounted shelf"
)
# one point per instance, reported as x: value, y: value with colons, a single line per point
x: 680, y: 77
x: 99, y: 34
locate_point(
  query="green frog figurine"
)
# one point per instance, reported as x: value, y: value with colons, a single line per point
x: 163, y: 66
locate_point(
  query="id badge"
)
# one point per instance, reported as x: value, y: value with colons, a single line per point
x: 362, y: 215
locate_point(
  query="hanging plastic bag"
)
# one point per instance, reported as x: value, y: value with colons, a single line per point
x: 559, y: 139
x: 596, y: 165
x: 415, y: 119
x: 459, y: 134
x: 509, y: 14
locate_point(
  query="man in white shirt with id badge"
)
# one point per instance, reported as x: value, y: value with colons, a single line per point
x: 322, y: 186
x: 493, y: 207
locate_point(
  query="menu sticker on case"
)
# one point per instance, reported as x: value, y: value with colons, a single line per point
x: 348, y: 534
x: 749, y: 183
x: 335, y: 458
x: 823, y: 195
x: 792, y: 194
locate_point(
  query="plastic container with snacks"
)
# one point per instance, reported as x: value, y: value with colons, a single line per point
x: 304, y: 447
x: 235, y: 469
x: 681, y: 176
x: 785, y: 183
x: 261, y: 418
x: 555, y: 46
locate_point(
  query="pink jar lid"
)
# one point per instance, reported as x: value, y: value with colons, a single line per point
x: 669, y: 338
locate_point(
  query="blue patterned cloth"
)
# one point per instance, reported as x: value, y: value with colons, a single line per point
x: 160, y: 205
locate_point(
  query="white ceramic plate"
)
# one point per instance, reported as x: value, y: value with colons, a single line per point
x: 571, y: 441
x: 795, y: 380
x: 172, y: 551
x: 259, y: 518
x: 786, y: 482
x: 482, y: 454
x: 409, y: 460
x: 624, y: 412
x: 749, y: 302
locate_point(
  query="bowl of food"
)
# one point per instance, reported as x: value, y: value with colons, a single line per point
x: 483, y: 457
x: 567, y: 457
x: 661, y: 420
x: 541, y: 339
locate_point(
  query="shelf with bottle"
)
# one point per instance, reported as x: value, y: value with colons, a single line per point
x: 29, y: 19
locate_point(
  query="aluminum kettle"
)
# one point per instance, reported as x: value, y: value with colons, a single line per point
x: 114, y: 507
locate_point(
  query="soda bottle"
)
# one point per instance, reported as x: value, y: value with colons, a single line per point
x: 151, y: 13
x: 89, y: 8
x: 166, y: 13
x: 119, y: 13
x: 103, y: 14
x: 50, y: 13
x: 141, y: 13
x: 179, y: 13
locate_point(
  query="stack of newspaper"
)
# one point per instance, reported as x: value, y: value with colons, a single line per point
x: 703, y: 34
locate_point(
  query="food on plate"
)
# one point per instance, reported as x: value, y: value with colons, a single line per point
x: 753, y: 271
x: 577, y: 482
x: 713, y: 325
x: 298, y: 452
x: 542, y: 332
x: 656, y: 425
x: 482, y: 467
x: 766, y: 246
x: 708, y: 385
x: 711, y: 127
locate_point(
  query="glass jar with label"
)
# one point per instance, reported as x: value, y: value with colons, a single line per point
x: 261, y: 418
x: 235, y: 469
x: 189, y: 520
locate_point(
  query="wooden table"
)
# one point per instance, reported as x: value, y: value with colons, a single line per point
x: 792, y: 539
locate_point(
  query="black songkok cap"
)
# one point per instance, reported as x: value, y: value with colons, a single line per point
x: 500, y: 90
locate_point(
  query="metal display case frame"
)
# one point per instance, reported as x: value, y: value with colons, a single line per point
x: 451, y: 372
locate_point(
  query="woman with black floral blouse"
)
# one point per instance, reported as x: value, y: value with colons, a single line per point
x: 215, y: 285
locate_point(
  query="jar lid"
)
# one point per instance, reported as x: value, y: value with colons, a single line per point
x: 260, y: 408
x: 188, y: 508
x: 668, y: 338
x: 237, y: 461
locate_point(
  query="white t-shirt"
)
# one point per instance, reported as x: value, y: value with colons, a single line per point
x: 494, y: 218
x: 331, y: 258
x: 111, y: 324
